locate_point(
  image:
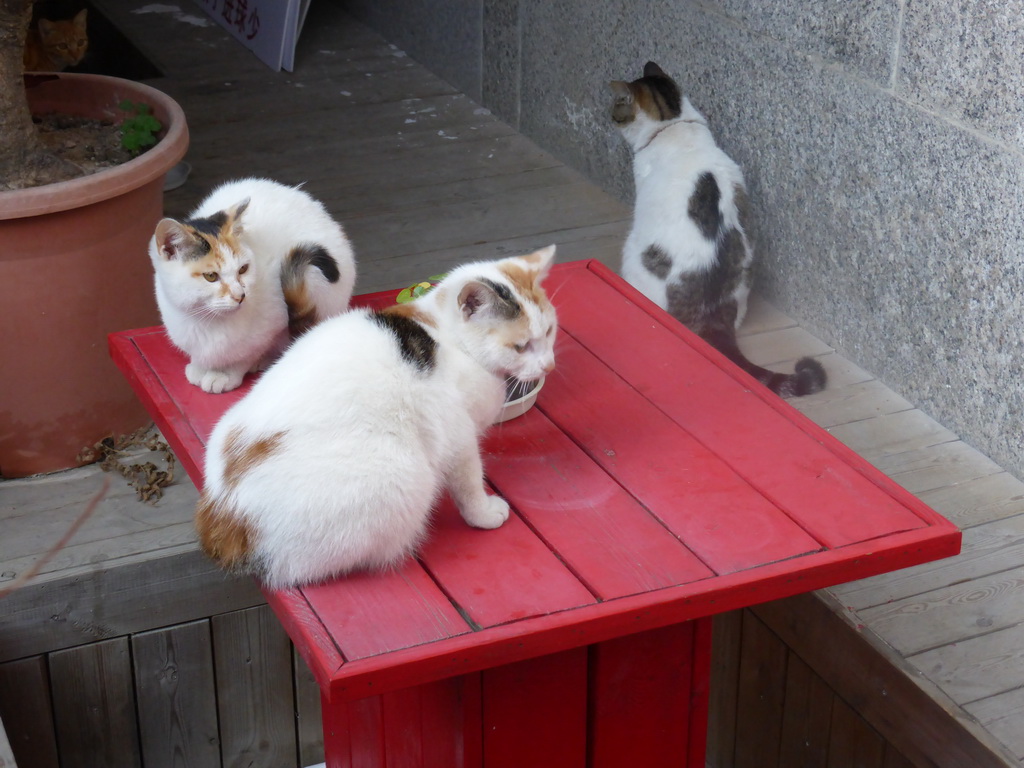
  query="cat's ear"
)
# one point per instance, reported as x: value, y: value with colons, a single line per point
x: 45, y: 26
x: 235, y: 216
x: 173, y: 239
x: 478, y: 301
x: 653, y: 70
x: 80, y: 18
x: 540, y: 261
x: 623, y: 95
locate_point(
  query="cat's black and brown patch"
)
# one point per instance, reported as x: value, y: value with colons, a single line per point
x: 224, y: 534
x: 302, y: 314
x: 655, y: 93
x: 417, y: 346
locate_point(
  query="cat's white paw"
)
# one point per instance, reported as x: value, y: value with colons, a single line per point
x: 491, y: 514
x: 213, y: 382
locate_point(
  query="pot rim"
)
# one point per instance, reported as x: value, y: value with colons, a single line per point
x: 109, y: 182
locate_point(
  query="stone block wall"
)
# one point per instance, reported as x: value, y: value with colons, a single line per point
x: 882, y: 141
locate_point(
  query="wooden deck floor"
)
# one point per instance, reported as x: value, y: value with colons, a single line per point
x: 423, y: 178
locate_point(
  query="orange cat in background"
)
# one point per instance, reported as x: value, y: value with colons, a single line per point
x: 53, y: 45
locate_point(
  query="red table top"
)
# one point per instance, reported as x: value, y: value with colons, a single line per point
x: 653, y: 483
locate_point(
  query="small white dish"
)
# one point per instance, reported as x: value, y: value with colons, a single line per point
x: 520, y: 405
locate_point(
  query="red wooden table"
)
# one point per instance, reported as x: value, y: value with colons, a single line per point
x: 654, y: 485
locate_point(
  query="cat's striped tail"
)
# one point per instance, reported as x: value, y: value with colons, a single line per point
x: 808, y: 378
x: 295, y: 275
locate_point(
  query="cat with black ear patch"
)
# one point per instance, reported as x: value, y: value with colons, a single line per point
x: 688, y: 250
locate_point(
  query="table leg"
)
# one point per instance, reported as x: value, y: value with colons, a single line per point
x: 648, y: 698
x: 634, y: 701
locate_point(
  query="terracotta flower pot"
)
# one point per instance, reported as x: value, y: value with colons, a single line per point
x: 73, y: 268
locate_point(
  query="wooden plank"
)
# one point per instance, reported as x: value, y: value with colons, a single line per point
x: 978, y: 667
x: 978, y: 501
x: 94, y: 705
x: 987, y: 549
x: 810, y: 478
x: 27, y: 712
x: 308, y: 714
x: 252, y: 658
x: 378, y: 613
x: 725, y: 671
x: 952, y: 613
x: 891, y: 434
x: 107, y: 603
x: 718, y: 516
x: 763, y: 316
x: 1002, y: 715
x: 772, y: 348
x: 534, y: 712
x: 36, y: 512
x: 853, y: 742
x: 602, y: 242
x: 639, y: 698
x: 893, y: 759
x: 501, y: 216
x: 609, y: 541
x: 762, y: 686
x: 432, y: 726
x: 177, y: 697
x: 498, y: 576
x: 806, y: 717
x: 841, y: 405
x: 857, y: 662
x: 937, y: 466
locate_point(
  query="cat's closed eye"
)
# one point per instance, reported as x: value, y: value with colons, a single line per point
x: 211, y: 277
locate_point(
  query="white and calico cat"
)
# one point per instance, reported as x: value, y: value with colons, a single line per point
x: 334, y: 460
x: 256, y: 263
x: 688, y: 250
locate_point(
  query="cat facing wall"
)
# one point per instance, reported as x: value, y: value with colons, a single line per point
x: 54, y: 45
x: 256, y: 264
x: 688, y: 249
x: 335, y: 458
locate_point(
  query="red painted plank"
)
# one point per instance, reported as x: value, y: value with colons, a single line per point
x: 201, y: 409
x: 337, y: 732
x: 726, y: 522
x: 498, y: 576
x: 639, y: 698
x: 437, y: 725
x: 700, y: 691
x: 373, y: 613
x: 610, y: 541
x: 160, y: 403
x: 535, y: 712
x: 308, y: 633
x: 725, y: 410
x: 471, y: 652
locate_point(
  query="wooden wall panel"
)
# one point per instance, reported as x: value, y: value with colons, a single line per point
x: 725, y: 670
x: 806, y: 717
x: 760, y: 698
x: 255, y: 703
x: 177, y: 698
x: 310, y: 729
x: 26, y: 711
x: 853, y: 743
x: 94, y: 705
